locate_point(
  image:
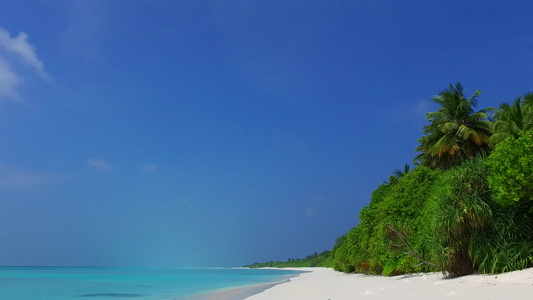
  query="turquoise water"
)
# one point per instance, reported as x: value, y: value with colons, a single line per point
x: 60, y: 283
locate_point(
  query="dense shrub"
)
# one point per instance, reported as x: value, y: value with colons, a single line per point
x: 368, y: 248
x: 452, y: 219
x: 511, y: 169
x: 507, y: 245
x: 462, y: 209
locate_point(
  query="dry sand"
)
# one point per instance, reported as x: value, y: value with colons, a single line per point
x: 326, y: 284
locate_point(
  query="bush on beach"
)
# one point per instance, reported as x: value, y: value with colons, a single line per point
x: 511, y: 163
x: 462, y: 209
x: 460, y: 227
x: 397, y: 205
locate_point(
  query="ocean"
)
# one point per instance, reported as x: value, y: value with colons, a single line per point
x: 59, y: 283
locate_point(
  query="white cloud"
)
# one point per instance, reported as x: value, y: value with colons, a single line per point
x: 421, y: 107
x: 8, y: 81
x: 12, y: 176
x: 100, y: 164
x: 19, y: 48
x: 148, y: 168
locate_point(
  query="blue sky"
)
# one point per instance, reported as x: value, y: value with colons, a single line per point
x: 220, y: 133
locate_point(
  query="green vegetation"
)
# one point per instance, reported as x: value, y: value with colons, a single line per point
x: 455, y: 132
x: 461, y: 210
x: 314, y: 260
x: 512, y: 119
x: 511, y: 176
x: 467, y: 205
x: 373, y: 246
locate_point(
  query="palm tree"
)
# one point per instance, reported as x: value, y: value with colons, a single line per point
x: 511, y: 119
x: 456, y: 132
x: 399, y: 174
x: 528, y: 100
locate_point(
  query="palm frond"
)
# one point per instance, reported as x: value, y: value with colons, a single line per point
x: 456, y: 132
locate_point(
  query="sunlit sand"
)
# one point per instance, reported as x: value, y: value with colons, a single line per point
x: 324, y: 284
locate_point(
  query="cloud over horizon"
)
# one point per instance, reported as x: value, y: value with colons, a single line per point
x: 12, y: 176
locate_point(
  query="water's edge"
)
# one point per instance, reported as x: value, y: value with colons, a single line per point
x: 239, y: 293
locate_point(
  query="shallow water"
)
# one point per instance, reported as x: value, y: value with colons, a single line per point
x: 60, y: 283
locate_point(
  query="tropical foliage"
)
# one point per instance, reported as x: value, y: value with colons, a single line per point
x: 462, y: 209
x: 511, y: 119
x: 507, y: 244
x: 467, y: 206
x: 393, y: 206
x: 511, y: 176
x: 456, y: 132
x: 398, y: 174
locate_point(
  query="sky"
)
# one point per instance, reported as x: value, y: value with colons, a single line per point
x: 222, y: 133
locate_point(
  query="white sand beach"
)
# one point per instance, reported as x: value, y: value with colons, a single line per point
x: 326, y: 284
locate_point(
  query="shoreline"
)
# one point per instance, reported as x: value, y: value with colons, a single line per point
x: 244, y: 292
x: 325, y: 283
x: 239, y: 293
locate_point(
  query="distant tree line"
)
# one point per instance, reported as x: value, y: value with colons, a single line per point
x: 466, y: 206
x: 314, y: 260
